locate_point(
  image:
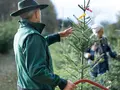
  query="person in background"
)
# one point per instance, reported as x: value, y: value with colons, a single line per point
x: 33, y: 59
x: 102, y: 49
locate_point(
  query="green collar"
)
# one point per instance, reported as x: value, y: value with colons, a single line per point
x: 37, y: 26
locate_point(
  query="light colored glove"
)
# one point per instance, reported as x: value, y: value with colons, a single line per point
x: 87, y: 55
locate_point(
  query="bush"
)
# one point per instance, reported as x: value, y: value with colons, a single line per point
x: 7, y: 31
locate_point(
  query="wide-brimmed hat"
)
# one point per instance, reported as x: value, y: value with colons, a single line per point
x: 26, y: 6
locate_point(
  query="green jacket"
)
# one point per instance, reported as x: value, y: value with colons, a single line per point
x: 33, y: 60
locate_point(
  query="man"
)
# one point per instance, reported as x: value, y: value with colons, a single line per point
x: 100, y: 49
x: 33, y: 59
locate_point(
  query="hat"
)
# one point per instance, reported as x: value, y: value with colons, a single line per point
x: 26, y: 6
x: 96, y: 28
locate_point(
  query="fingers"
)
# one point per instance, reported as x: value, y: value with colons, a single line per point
x: 74, y: 86
x: 69, y: 30
x: 70, y: 86
x: 66, y: 32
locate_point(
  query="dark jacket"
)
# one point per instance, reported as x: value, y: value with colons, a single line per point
x: 33, y: 59
x: 102, y: 48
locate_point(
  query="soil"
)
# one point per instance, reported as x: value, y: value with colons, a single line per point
x: 7, y: 71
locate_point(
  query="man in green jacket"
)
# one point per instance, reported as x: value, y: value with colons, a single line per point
x: 33, y: 59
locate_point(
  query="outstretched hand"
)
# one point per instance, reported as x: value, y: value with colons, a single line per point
x: 66, y: 32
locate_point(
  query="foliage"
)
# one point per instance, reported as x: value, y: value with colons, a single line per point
x: 49, y: 16
x: 7, y: 32
x: 74, y: 47
x: 63, y: 24
x: 9, y: 26
x: 67, y: 58
x: 6, y: 7
x: 74, y: 64
x: 113, y: 31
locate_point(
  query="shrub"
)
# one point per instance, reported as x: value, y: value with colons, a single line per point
x: 7, y: 31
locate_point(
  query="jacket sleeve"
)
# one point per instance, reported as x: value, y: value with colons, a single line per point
x: 36, y: 63
x: 52, y: 38
x: 111, y: 53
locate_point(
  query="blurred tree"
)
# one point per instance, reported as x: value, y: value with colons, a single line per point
x: 114, y: 37
x: 105, y: 23
x: 7, y: 31
x: 49, y: 17
x: 6, y: 6
x: 113, y: 34
x: 63, y: 24
x: 75, y: 46
x: 9, y: 27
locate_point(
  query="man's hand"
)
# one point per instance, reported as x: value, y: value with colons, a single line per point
x: 70, y: 86
x: 66, y: 32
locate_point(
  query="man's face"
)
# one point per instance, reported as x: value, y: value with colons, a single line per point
x: 100, y: 33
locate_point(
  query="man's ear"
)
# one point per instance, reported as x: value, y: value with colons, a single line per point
x: 36, y: 16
